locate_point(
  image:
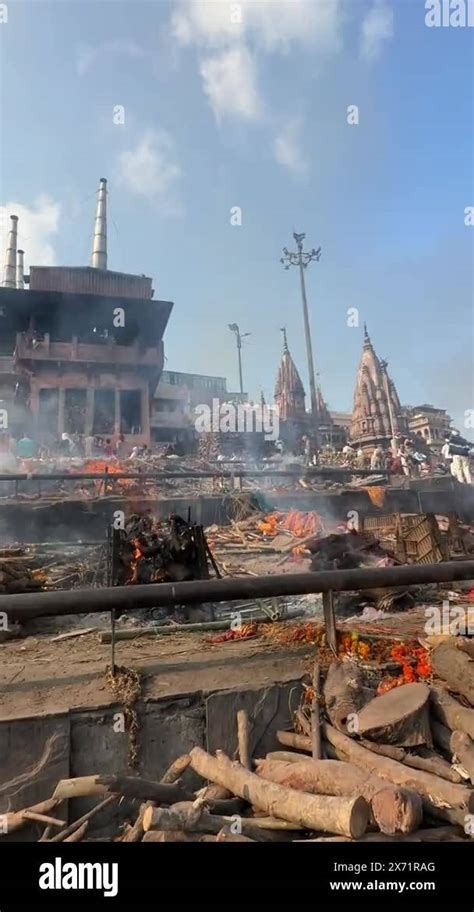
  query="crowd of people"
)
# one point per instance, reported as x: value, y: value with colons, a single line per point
x: 25, y: 446
x: 405, y: 456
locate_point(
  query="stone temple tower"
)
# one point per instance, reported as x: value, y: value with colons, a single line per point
x: 377, y: 413
x: 289, y: 392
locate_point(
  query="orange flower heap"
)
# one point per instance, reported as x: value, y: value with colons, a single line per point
x: 351, y: 645
x: 415, y: 664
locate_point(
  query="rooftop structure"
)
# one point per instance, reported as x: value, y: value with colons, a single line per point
x: 81, y: 351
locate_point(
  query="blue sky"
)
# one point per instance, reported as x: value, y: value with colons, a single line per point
x: 222, y: 113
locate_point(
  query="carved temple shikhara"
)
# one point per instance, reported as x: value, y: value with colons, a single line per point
x: 377, y: 414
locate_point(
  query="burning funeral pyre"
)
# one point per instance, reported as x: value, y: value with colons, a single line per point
x: 158, y: 551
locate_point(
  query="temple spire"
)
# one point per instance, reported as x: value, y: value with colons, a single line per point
x: 377, y: 414
x: 289, y: 392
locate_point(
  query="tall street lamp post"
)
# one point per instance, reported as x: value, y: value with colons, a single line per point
x: 238, y: 338
x: 302, y: 259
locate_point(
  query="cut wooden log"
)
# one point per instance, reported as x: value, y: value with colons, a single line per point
x: 17, y: 819
x: 435, y: 834
x: 269, y: 823
x: 442, y: 737
x: 77, y: 835
x: 214, y: 792
x: 290, y: 739
x: 226, y: 836
x: 183, y: 817
x: 303, y: 722
x: 80, y: 787
x: 454, y: 667
x: 286, y: 756
x: 315, y: 715
x: 345, y: 693
x: 43, y: 818
x: 450, y: 712
x: 225, y: 806
x: 171, y: 836
x: 176, y: 770
x: 144, y: 789
x: 430, y: 761
x: 435, y: 791
x: 243, y: 738
x: 387, y: 750
x: 347, y: 816
x: 135, y: 833
x: 437, y: 810
x: 394, y: 809
x: 399, y: 717
x: 187, y: 818
x: 61, y: 837
x: 463, y: 749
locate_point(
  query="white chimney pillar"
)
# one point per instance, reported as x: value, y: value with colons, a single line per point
x: 20, y: 269
x: 99, y: 250
x: 9, y: 280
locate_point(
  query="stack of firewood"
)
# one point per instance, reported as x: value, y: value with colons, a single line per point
x: 16, y: 575
x: 393, y: 767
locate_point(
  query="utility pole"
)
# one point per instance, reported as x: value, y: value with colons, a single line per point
x: 238, y: 338
x: 301, y: 260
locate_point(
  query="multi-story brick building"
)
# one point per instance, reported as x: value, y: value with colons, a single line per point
x: 81, y: 351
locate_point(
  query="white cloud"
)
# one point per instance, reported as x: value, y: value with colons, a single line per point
x: 230, y: 82
x: 150, y: 169
x: 89, y: 54
x: 232, y: 34
x: 377, y: 28
x: 36, y: 229
x: 287, y: 149
x: 270, y: 24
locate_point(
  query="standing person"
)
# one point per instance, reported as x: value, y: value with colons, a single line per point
x: 309, y: 450
x: 360, y: 459
x: 120, y: 445
x: 88, y: 445
x: 459, y: 449
x: 405, y: 454
x: 68, y: 447
x: 108, y: 449
x: 25, y: 447
x: 376, y: 458
x: 447, y: 455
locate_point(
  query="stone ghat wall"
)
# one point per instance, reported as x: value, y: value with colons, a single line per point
x: 37, y: 752
x: 70, y: 521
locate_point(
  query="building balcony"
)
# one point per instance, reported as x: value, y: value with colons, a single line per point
x: 107, y: 352
x: 171, y: 391
x: 175, y: 420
